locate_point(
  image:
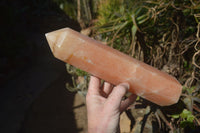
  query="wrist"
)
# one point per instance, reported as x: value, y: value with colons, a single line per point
x: 103, y: 126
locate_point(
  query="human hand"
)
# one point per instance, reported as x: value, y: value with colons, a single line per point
x: 104, y: 105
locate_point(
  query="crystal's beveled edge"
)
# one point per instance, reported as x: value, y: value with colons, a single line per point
x: 52, y: 37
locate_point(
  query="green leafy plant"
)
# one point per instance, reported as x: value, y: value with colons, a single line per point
x: 80, y: 72
x: 187, y: 119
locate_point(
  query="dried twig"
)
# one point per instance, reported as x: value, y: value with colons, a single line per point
x: 161, y: 115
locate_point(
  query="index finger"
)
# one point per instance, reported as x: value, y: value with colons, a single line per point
x: 94, y: 85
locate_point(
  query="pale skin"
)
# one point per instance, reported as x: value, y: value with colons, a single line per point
x: 105, y: 104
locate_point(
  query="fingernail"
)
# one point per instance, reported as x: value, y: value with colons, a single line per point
x: 126, y: 85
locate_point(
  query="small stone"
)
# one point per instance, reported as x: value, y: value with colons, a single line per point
x: 125, y: 123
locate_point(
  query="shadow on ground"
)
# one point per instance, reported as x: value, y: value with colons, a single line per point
x: 32, y: 82
x: 52, y: 111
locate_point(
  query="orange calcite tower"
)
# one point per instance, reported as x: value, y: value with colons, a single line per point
x: 113, y: 66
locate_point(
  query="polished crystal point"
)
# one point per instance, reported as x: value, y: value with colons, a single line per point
x: 113, y: 66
